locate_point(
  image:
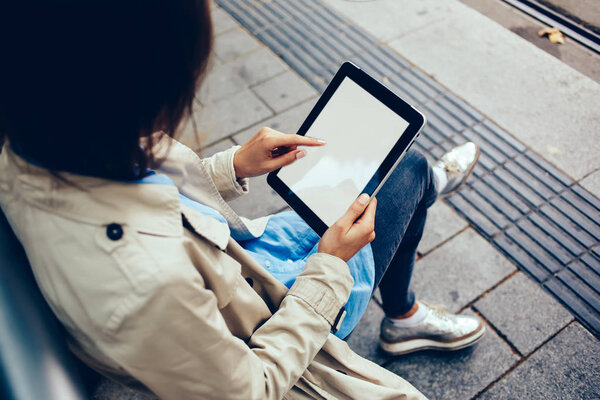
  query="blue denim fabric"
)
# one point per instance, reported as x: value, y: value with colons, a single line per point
x: 402, y: 206
x: 286, y: 244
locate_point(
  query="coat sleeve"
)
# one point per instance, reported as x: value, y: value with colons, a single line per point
x: 178, y: 345
x: 220, y: 167
x: 187, y: 169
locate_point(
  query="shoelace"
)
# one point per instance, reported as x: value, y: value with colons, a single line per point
x: 452, y: 166
x: 439, y: 310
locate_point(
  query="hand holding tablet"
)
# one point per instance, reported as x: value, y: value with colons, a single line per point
x: 367, y: 129
x: 353, y: 231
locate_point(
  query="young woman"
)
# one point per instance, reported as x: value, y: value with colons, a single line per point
x: 159, y: 283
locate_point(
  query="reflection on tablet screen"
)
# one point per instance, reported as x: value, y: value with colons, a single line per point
x: 360, y: 132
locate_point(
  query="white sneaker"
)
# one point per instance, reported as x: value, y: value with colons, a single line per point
x: 457, y: 164
x: 437, y: 330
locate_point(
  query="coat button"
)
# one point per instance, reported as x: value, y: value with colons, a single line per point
x: 114, y: 231
x: 267, y: 263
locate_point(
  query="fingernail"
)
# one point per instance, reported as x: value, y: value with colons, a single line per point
x: 321, y: 141
x: 300, y: 154
x: 363, y: 198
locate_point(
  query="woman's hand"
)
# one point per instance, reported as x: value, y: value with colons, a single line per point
x: 348, y: 235
x: 269, y: 150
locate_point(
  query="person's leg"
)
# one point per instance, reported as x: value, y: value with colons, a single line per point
x: 399, y: 222
x: 402, y: 210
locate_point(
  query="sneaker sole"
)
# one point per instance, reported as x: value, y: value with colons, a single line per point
x: 411, y: 346
x: 456, y: 189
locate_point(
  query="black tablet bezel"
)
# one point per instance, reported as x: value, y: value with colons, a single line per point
x: 416, y: 122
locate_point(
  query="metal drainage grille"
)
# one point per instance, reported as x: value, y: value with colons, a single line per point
x: 536, y: 215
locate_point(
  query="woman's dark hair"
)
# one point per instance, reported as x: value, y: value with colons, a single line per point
x: 81, y: 81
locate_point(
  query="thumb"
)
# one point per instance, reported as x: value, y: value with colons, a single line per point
x: 287, y: 158
x: 354, y: 211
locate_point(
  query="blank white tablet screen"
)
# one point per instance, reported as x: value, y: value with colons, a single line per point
x: 360, y: 132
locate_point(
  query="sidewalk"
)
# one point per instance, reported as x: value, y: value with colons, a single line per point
x: 534, y: 348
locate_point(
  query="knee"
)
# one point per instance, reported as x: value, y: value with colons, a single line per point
x: 417, y: 164
x: 409, y: 185
x: 419, y: 170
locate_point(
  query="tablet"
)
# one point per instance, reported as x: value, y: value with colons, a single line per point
x: 368, y: 129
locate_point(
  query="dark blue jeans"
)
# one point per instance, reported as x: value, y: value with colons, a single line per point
x: 402, y: 206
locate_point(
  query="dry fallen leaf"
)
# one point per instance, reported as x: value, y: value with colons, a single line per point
x: 554, y: 34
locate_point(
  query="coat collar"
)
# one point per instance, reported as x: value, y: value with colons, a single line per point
x: 153, y: 209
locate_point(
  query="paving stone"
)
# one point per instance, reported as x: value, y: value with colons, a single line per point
x: 234, y: 43
x: 566, y: 368
x: 459, y: 271
x: 516, y: 71
x: 284, y: 91
x: 521, y: 257
x: 555, y: 215
x: 503, y: 201
x: 190, y: 135
x: 213, y: 62
x: 588, y: 223
x: 222, y: 21
x: 480, y: 221
x: 288, y: 121
x: 235, y: 76
x: 523, y: 312
x: 553, y: 230
x: 459, y: 374
x: 592, y: 183
x: 544, y: 170
x: 377, y: 296
x: 109, y: 390
x: 574, y: 293
x: 260, y: 201
x: 215, y: 148
x: 222, y: 81
x: 541, y: 243
x: 442, y: 223
x: 391, y: 18
x: 364, y: 340
x: 225, y: 117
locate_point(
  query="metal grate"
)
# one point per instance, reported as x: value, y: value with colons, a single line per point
x: 532, y: 212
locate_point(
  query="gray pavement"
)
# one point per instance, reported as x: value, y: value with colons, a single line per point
x: 571, y: 53
x: 587, y: 11
x: 533, y: 348
x: 534, y: 96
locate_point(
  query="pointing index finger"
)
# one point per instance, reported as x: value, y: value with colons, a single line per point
x: 299, y: 140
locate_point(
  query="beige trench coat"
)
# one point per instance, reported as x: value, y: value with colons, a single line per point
x: 183, y: 313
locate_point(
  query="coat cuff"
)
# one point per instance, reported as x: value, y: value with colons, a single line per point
x: 325, y: 284
x: 222, y: 172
